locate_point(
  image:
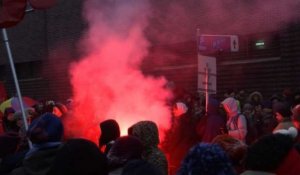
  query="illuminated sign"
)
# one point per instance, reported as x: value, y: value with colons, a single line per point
x: 218, y: 43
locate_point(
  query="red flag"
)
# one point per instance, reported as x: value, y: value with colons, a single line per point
x: 11, y: 12
x: 42, y: 4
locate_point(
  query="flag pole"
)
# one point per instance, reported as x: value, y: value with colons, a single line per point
x: 13, y: 70
x: 206, y: 73
x: 206, y: 89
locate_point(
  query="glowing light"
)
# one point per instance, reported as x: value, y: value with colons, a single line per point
x: 107, y: 82
x: 260, y: 43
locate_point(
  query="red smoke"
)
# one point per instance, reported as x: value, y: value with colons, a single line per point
x: 107, y: 82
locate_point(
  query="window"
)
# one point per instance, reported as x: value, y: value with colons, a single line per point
x: 28, y: 70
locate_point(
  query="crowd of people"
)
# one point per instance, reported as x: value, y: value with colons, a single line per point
x: 241, y: 133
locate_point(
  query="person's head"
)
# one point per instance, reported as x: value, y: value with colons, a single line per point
x: 248, y: 109
x: 275, y: 98
x: 147, y: 132
x: 140, y: 167
x: 229, y: 93
x: 124, y: 149
x: 9, y: 114
x: 208, y: 159
x: 230, y: 106
x: 234, y: 148
x: 179, y: 109
x: 296, y: 113
x: 281, y: 111
x: 268, y: 152
x: 255, y: 98
x: 78, y: 157
x: 46, y: 128
x: 29, y: 114
x: 213, y: 106
x: 110, y: 131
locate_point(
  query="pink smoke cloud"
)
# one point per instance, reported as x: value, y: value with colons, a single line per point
x: 107, y: 82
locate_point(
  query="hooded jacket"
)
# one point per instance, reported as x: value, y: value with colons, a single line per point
x: 147, y: 132
x: 236, y: 122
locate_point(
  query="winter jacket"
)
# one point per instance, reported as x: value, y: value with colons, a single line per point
x: 236, y: 122
x: 147, y: 132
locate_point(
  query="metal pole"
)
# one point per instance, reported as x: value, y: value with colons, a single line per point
x: 206, y: 89
x: 12, y: 66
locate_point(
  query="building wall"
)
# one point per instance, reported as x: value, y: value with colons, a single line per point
x: 53, y: 35
x: 45, y: 40
x: 268, y: 70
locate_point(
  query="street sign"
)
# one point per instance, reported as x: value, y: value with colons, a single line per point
x: 218, y: 43
x: 207, y: 74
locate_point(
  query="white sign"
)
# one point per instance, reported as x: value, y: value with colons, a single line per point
x: 234, y: 43
x: 207, y: 70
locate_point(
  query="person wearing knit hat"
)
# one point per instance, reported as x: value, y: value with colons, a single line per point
x: 110, y: 131
x: 208, y: 159
x: 46, y: 128
x: 45, y: 133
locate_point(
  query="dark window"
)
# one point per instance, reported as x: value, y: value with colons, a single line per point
x: 28, y: 70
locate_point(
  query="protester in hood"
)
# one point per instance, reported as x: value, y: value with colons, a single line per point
x: 147, y: 132
x: 110, y: 131
x: 45, y: 133
x: 180, y: 137
x: 179, y: 109
x: 236, y: 122
x: 215, y: 123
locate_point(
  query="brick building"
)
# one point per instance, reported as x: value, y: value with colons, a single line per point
x: 44, y: 45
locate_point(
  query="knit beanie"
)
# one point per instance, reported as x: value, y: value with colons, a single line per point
x: 46, y: 128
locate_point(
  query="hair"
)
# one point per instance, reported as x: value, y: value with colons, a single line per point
x: 124, y: 149
x: 268, y: 152
x: 77, y: 157
x: 234, y: 148
x: 138, y: 167
x: 283, y: 109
